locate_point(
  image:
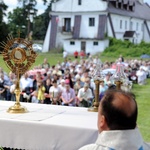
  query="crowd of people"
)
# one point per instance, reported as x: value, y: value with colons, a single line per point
x: 70, y: 82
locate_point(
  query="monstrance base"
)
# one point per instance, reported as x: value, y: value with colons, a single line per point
x: 93, y: 109
x: 17, y: 108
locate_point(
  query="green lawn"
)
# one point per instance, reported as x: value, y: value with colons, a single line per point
x: 142, y: 92
x: 143, y: 100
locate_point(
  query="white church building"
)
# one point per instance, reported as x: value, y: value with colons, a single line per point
x: 87, y: 24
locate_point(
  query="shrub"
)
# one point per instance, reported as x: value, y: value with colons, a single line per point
x: 126, y: 48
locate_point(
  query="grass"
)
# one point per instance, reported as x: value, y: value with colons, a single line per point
x: 142, y: 92
x: 52, y: 59
x: 142, y: 96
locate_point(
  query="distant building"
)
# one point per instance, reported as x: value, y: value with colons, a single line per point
x: 86, y: 24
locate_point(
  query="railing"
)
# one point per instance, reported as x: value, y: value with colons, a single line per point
x: 65, y: 31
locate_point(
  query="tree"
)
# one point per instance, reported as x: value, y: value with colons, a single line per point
x: 39, y: 28
x: 3, y: 26
x: 29, y: 12
x: 17, y: 21
x: 37, y: 24
x: 3, y: 8
x: 41, y: 22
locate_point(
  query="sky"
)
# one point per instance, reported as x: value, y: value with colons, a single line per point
x: 147, y: 1
x: 12, y: 4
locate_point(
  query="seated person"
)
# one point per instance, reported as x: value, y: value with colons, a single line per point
x: 141, y: 74
x: 38, y: 96
x: 62, y: 85
x: 102, y: 89
x: 26, y: 85
x: 55, y: 93
x: 85, y: 96
x: 2, y: 87
x: 77, y: 85
x: 117, y: 126
x: 47, y: 86
x: 68, y: 96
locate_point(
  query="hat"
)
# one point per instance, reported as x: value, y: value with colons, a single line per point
x: 77, y: 76
x: 108, y: 73
x: 67, y: 81
x: 79, y: 65
x: 62, y: 81
x: 109, y: 83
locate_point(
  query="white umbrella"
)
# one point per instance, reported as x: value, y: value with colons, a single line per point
x: 110, y: 70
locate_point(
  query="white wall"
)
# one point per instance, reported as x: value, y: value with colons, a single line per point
x: 93, y: 49
x: 47, y: 39
x: 72, y: 48
x: 72, y: 5
x: 137, y: 23
x: 120, y: 30
x: 87, y: 31
x: 146, y: 35
x: 91, y: 9
x: 61, y: 38
x: 61, y: 17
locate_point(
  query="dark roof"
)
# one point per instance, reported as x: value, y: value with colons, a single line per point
x: 129, y: 34
x: 90, y: 39
x: 131, y: 2
x: 125, y: 1
x: 141, y: 11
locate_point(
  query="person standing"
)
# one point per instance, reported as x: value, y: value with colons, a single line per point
x: 45, y: 64
x: 82, y: 54
x: 76, y: 54
x: 65, y: 54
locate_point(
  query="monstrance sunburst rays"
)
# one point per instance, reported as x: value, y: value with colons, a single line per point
x: 18, y: 55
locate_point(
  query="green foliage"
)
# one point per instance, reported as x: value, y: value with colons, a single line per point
x: 17, y: 21
x: 20, y: 19
x: 143, y: 102
x: 39, y: 27
x: 4, y: 31
x: 126, y: 48
x: 3, y: 8
x: 57, y: 50
x: 3, y: 26
x: 41, y: 22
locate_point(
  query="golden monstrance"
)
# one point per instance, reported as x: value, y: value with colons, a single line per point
x: 18, y: 55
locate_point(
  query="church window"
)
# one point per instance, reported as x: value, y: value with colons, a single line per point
x: 79, y: 2
x: 91, y: 22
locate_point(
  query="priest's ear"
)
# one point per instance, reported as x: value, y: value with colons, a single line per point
x: 102, y: 124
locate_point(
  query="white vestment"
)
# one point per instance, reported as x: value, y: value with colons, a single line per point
x: 118, y: 140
